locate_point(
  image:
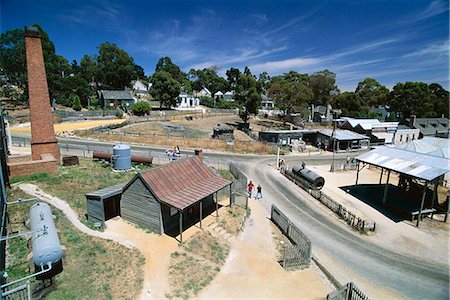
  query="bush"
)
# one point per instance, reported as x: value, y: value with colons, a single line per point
x: 206, y: 101
x: 76, y: 103
x: 141, y: 108
x: 119, y: 114
x: 95, y: 103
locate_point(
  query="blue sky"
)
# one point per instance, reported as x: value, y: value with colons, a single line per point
x: 391, y: 41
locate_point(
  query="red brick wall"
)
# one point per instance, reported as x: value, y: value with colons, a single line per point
x: 32, y: 166
x: 43, y: 138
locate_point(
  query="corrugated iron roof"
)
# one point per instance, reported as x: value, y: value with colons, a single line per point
x: 343, y: 135
x: 183, y: 183
x: 107, y: 192
x: 116, y: 95
x: 366, y: 124
x: 418, y: 165
x: 428, y: 145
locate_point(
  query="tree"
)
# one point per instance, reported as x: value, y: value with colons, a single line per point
x: 207, y: 78
x: 166, y: 64
x: 247, y: 94
x: 115, y: 68
x: 372, y: 92
x: 165, y: 89
x: 88, y: 69
x: 141, y: 108
x: 13, y: 61
x: 77, y: 85
x: 441, y: 102
x: 412, y: 98
x: 289, y: 94
x: 264, y: 81
x: 232, y: 77
x: 352, y: 104
x: 323, y: 86
x: 76, y: 103
x: 293, y: 76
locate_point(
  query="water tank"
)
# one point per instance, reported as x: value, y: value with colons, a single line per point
x: 122, y: 157
x: 315, y: 179
x: 45, y: 241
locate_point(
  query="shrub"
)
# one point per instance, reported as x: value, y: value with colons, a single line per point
x: 206, y: 101
x: 76, y: 103
x: 141, y: 108
x: 119, y: 114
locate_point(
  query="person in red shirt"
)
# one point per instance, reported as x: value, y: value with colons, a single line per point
x: 250, y: 188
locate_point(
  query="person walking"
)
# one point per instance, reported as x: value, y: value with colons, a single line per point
x: 250, y: 188
x: 258, y: 192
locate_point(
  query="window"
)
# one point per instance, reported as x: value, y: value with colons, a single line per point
x: 173, y: 211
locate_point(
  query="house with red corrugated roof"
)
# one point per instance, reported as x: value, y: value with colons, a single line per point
x: 173, y: 196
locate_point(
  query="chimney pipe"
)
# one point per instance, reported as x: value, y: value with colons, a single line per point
x: 199, y: 153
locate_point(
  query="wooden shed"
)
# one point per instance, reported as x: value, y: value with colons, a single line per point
x: 104, y: 204
x: 172, y: 196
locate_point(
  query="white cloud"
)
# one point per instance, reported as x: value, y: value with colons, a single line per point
x: 284, y: 65
x: 439, y: 48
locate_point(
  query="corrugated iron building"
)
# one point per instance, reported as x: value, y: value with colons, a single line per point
x: 159, y: 198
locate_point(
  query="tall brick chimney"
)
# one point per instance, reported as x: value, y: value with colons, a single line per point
x: 43, y: 138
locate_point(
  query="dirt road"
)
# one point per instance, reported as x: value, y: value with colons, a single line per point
x: 251, y: 270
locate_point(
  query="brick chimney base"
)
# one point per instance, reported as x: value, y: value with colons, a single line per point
x: 38, y: 149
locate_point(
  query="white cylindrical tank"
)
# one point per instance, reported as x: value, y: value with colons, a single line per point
x: 122, y: 157
x: 45, y: 241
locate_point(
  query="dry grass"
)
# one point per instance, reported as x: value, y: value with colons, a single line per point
x: 154, y: 133
x: 196, y: 265
x: 212, y: 144
x: 233, y: 219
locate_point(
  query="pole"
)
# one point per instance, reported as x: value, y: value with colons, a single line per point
x: 278, y: 158
x: 386, y: 188
x: 357, y: 173
x: 334, y: 141
x: 217, y: 204
x: 421, y: 204
x: 201, y: 213
x: 381, y: 175
x: 181, y: 225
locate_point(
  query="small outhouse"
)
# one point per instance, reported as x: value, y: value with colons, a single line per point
x: 104, y: 204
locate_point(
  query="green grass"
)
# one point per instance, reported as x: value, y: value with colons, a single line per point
x: 93, y: 268
x: 73, y: 182
x: 226, y: 174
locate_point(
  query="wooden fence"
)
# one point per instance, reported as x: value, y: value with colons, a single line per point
x: 355, y: 222
x: 297, y: 255
x: 348, y: 292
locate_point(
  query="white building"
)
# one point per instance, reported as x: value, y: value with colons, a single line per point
x: 229, y: 96
x: 404, y: 134
x: 204, y: 92
x: 186, y: 100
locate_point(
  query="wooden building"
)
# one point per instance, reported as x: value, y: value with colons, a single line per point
x: 104, y: 204
x: 172, y: 196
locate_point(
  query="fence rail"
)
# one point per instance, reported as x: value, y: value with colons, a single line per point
x: 355, y: 222
x: 239, y: 195
x: 21, y: 292
x: 348, y: 292
x: 298, y: 254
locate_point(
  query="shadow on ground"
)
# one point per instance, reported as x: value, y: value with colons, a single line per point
x: 190, y: 220
x: 398, y: 206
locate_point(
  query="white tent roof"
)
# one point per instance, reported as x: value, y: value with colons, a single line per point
x: 219, y: 93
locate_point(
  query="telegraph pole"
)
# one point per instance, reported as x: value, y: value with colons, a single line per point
x: 333, y: 136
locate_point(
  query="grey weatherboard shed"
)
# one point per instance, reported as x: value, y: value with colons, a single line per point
x: 159, y: 198
x: 104, y: 204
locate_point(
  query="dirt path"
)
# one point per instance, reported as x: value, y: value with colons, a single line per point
x: 61, y: 127
x: 251, y: 270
